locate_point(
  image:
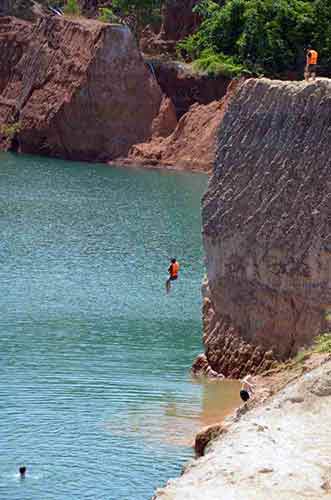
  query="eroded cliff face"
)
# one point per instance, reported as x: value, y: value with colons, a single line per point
x: 192, y: 144
x: 267, y: 227
x: 74, y: 89
x: 185, y: 87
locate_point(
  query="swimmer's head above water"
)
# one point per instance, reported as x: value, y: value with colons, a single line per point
x: 22, y: 470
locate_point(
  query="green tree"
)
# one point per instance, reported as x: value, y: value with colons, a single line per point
x: 322, y: 35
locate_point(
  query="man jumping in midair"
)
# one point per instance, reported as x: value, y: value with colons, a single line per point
x: 173, y: 273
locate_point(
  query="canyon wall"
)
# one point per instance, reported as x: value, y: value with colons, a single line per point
x: 74, y: 89
x: 267, y: 227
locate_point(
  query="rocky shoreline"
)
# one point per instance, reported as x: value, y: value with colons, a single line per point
x: 277, y: 446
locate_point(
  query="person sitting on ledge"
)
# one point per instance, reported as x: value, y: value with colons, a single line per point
x: 247, y: 388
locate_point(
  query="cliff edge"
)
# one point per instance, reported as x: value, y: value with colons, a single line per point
x: 267, y: 227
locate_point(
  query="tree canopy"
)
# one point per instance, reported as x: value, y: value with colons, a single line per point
x: 268, y: 36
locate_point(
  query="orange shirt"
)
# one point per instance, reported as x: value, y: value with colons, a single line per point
x: 174, y: 270
x: 312, y: 57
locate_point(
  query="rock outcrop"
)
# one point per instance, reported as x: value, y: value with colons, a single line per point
x: 186, y: 87
x: 267, y: 226
x: 191, y: 146
x: 178, y: 21
x: 75, y: 89
x: 30, y: 10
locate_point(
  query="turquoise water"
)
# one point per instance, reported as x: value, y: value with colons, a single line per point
x: 96, y: 398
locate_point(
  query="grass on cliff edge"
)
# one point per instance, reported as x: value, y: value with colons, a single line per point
x: 214, y: 65
x: 72, y: 8
x: 10, y: 130
x: 322, y: 345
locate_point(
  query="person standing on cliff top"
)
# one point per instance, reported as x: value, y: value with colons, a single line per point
x: 173, y: 271
x: 311, y: 63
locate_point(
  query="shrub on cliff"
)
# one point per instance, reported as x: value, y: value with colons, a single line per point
x: 218, y: 64
x: 10, y: 130
x: 72, y: 8
x: 264, y: 35
x: 137, y: 14
x: 107, y: 15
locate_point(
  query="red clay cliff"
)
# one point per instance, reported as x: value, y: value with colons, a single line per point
x: 192, y: 145
x: 74, y: 89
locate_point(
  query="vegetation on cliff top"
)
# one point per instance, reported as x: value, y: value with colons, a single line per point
x: 137, y: 14
x: 264, y: 36
x: 234, y: 37
x: 72, y: 8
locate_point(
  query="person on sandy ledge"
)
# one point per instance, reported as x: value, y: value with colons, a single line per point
x: 247, y: 388
x: 173, y: 271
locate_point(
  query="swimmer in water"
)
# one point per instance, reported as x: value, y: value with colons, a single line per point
x: 22, y: 471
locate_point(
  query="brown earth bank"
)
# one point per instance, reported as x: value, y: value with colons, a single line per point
x: 267, y: 227
x: 74, y: 89
x: 192, y: 145
x: 277, y: 446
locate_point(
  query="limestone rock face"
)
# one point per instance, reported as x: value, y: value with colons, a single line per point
x: 267, y: 226
x: 78, y: 89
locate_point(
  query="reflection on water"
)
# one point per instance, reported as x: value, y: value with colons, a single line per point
x: 177, y: 422
x: 219, y: 399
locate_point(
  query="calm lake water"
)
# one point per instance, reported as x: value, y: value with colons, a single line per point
x: 95, y: 393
